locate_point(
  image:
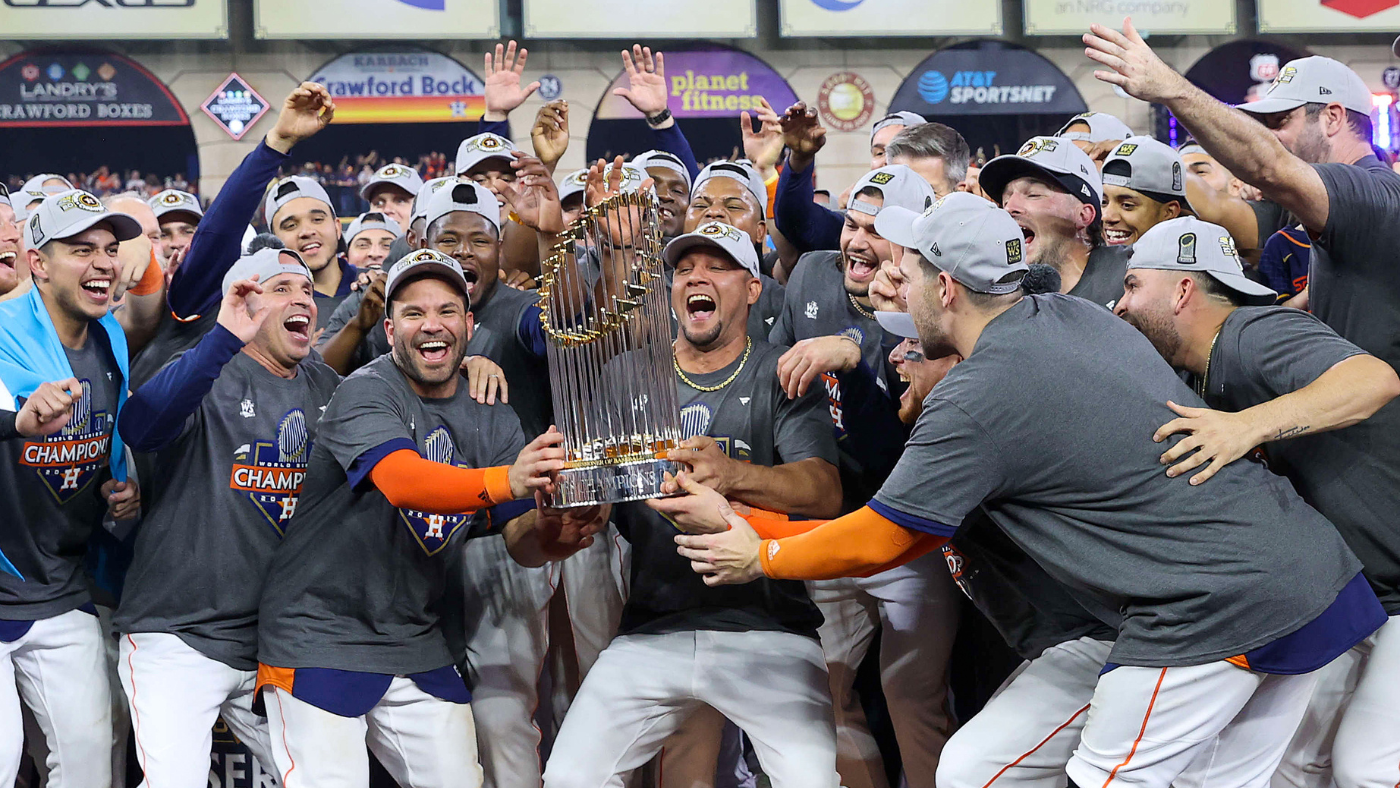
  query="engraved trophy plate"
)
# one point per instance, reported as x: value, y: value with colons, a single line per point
x: 605, y: 309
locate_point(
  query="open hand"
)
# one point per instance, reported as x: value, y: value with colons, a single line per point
x: 236, y: 313
x: 503, y: 92
x: 1133, y: 65
x: 724, y: 558
x: 1215, y: 436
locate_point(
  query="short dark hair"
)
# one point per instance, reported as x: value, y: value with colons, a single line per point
x: 1215, y: 290
x: 934, y: 140
x: 1360, y: 124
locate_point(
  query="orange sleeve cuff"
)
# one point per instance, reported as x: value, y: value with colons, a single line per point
x: 772, y: 186
x: 774, y: 525
x: 152, y: 280
x: 411, y: 482
x: 855, y: 545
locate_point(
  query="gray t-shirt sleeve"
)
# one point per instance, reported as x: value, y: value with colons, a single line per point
x: 802, y: 428
x: 342, y: 316
x: 1359, y: 205
x: 1284, y: 350
x: 949, y: 467
x: 1269, y: 217
x: 782, y: 333
x: 365, y: 413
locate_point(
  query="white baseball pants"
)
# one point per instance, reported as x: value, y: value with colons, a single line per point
x: 59, y: 669
x: 915, y: 610
x: 422, y: 741
x: 176, y: 694
x: 773, y: 685
x: 1366, y: 752
x: 1146, y: 726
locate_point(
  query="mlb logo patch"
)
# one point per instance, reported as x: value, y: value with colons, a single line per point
x: 1126, y: 149
x: 881, y: 178
x: 1013, y: 251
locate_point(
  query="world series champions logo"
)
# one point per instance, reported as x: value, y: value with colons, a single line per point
x: 434, y: 531
x: 271, y: 473
x: 69, y: 460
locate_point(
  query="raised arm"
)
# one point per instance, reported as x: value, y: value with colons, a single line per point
x: 649, y: 93
x: 809, y: 227
x: 1243, y: 145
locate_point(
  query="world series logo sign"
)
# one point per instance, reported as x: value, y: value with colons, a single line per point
x: 68, y: 461
x: 431, y: 531
x: 271, y: 473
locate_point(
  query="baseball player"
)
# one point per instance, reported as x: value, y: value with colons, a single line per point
x: 732, y: 193
x: 1054, y: 192
x: 886, y: 129
x: 300, y: 214
x: 232, y: 422
x: 193, y: 294
x: 1225, y: 603
x: 1095, y: 133
x: 63, y: 365
x: 1144, y: 184
x: 836, y: 344
x: 404, y: 466
x: 179, y: 214
x: 369, y: 239
x: 1281, y: 378
x: 672, y: 183
x: 13, y: 269
x: 681, y: 645
x: 391, y: 191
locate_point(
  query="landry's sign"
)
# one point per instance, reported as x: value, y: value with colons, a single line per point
x: 83, y: 88
x: 708, y: 84
x: 401, y: 87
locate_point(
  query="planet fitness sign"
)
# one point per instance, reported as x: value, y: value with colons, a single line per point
x: 49, y: 88
x: 716, y: 83
x: 401, y: 87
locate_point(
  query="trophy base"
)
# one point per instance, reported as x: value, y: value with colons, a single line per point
x: 631, y: 481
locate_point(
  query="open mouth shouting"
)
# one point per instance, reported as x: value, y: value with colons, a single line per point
x: 98, y: 289
x: 299, y: 327
x: 861, y: 268
x: 434, y: 351
x: 472, y: 276
x: 700, y: 307
x: 8, y: 259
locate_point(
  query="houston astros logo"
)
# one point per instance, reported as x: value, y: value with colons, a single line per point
x: 393, y: 171
x: 171, y: 198
x: 69, y: 460
x: 1036, y: 146
x: 271, y: 473
x: 432, y: 532
x: 490, y: 142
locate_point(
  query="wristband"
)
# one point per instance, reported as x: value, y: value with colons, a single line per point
x: 151, y: 280
x: 659, y: 118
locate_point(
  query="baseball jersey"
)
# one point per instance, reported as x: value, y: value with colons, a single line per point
x: 233, y: 477
x: 1351, y: 475
x: 1352, y: 284
x: 1031, y: 611
x: 864, y: 414
x: 53, y: 494
x: 501, y: 318
x: 356, y: 583
x: 753, y: 421
x: 1102, y: 280
x: 1048, y: 425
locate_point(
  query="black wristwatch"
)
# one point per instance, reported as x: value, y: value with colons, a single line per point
x: 659, y: 118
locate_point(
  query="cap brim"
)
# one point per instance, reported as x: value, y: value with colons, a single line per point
x: 901, y: 324
x: 196, y: 217
x: 124, y: 226
x: 1255, y: 294
x: 1268, y: 106
x: 677, y: 248
x: 430, y: 268
x: 1004, y: 169
x: 896, y: 225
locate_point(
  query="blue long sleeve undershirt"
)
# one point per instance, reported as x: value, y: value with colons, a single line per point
x: 672, y: 140
x: 809, y: 227
x: 155, y: 416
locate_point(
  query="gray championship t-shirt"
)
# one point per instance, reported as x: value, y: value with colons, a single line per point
x: 497, y: 337
x: 753, y: 421
x: 1102, y: 280
x: 1048, y: 424
x: 1351, y: 475
x: 357, y: 583
x: 1352, y: 281
x: 173, y: 337
x: 232, y: 481
x: 53, y: 494
x: 817, y: 305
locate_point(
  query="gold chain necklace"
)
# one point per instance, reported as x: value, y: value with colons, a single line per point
x: 869, y: 314
x: 1205, y: 377
x: 748, y: 346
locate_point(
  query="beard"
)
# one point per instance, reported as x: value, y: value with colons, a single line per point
x: 1312, y: 146
x: 705, y: 340
x: 1159, y: 330
x: 1054, y: 253
x: 406, y: 357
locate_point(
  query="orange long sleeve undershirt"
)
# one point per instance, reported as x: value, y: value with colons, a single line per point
x: 859, y: 544
x: 411, y: 482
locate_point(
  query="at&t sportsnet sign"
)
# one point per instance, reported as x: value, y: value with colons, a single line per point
x: 979, y: 87
x: 83, y: 89
x: 987, y: 78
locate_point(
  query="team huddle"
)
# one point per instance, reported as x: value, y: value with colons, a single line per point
x: 299, y: 480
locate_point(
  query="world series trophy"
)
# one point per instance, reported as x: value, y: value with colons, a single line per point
x: 605, y: 308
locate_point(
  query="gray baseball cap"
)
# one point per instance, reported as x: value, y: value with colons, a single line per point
x: 475, y: 150
x: 1189, y: 244
x: 664, y: 160
x: 973, y: 241
x: 1102, y: 127
x: 4, y: 195
x: 288, y: 189
x: 1049, y: 159
x: 70, y: 212
x: 1149, y: 167
x: 425, y: 261
x: 372, y: 220
x: 431, y: 187
x: 735, y: 243
x: 265, y: 264
x: 464, y: 196
x: 739, y: 171
x: 36, y: 185
x: 397, y: 175
x: 175, y: 201
x: 574, y: 183
x: 905, y: 119
x: 900, y: 186
x: 1313, y: 80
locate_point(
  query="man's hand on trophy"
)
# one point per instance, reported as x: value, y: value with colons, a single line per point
x: 709, y: 465
x: 533, y: 196
x: 536, y: 465
x: 695, y: 512
x: 563, y: 532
